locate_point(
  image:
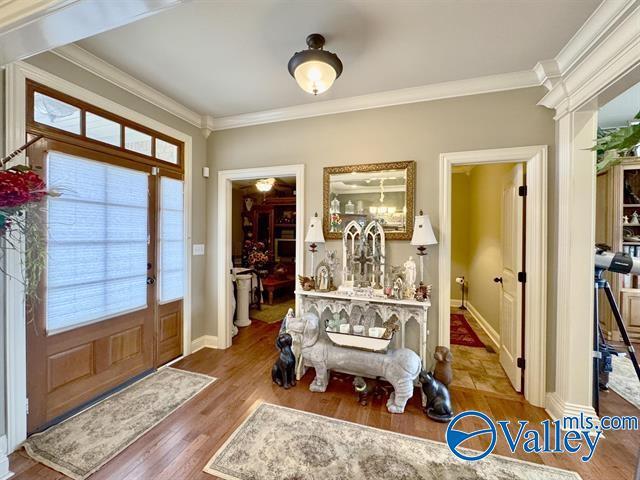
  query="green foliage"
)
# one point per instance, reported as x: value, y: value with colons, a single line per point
x: 613, y: 145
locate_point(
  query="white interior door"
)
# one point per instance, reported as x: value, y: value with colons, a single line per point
x: 511, y: 294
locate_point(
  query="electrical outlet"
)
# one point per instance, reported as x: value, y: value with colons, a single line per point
x: 198, y: 249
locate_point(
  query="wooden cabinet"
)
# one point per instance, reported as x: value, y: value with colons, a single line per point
x: 618, y: 199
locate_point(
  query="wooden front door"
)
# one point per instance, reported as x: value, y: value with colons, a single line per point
x: 93, y: 327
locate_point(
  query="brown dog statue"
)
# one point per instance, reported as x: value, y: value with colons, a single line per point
x: 443, y: 370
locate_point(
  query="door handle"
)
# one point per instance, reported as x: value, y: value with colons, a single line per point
x: 498, y: 279
x: 151, y: 280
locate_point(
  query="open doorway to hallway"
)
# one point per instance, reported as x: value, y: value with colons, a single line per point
x: 263, y: 240
x: 487, y: 254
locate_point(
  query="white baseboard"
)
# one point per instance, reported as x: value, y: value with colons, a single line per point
x: 4, y: 460
x: 557, y: 408
x: 455, y: 303
x: 205, y: 341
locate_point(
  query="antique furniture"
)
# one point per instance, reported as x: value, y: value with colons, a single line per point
x: 272, y: 283
x: 618, y: 196
x: 400, y: 367
x: 372, y: 312
x: 383, y: 192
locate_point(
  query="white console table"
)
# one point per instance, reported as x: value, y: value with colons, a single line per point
x: 385, y: 308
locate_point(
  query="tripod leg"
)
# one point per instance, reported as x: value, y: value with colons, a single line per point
x: 596, y: 352
x: 623, y: 331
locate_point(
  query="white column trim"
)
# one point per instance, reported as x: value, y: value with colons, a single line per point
x: 223, y: 248
x: 535, y: 297
x: 16, y: 75
x: 4, y: 459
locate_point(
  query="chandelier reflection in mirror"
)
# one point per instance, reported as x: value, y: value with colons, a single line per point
x: 265, y: 184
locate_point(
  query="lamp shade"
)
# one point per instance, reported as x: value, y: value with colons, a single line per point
x: 314, y: 233
x: 315, y: 69
x: 423, y: 232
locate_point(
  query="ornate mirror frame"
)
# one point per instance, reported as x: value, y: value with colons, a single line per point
x: 409, y: 166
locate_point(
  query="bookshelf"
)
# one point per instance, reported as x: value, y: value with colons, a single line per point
x: 618, y: 225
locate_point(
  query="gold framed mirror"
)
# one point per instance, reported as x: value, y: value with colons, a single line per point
x: 384, y: 192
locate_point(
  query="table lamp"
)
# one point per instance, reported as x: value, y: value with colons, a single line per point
x: 314, y: 236
x: 422, y: 236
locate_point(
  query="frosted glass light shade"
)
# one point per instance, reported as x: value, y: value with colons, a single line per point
x: 423, y: 232
x: 315, y: 77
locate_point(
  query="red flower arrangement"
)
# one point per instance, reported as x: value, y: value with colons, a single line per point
x: 20, y: 188
x: 256, y: 254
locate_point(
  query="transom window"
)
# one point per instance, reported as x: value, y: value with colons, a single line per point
x: 52, y: 111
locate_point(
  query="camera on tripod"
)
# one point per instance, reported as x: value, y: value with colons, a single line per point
x: 625, y: 264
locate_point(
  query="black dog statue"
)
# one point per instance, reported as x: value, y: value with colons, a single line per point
x: 438, y: 406
x: 284, y: 370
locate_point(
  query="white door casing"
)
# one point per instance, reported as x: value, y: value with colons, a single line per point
x: 535, y: 295
x: 511, y: 291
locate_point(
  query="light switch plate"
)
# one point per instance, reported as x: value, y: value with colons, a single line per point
x: 198, y: 249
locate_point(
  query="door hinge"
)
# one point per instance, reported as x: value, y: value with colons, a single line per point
x: 26, y: 401
x: 520, y: 362
x: 154, y: 170
x: 522, y: 191
x: 522, y: 277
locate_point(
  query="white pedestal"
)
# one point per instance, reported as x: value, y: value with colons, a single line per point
x: 243, y: 283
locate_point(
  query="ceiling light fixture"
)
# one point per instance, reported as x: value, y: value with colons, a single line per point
x: 265, y: 184
x: 315, y: 69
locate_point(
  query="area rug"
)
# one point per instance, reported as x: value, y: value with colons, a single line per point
x: 278, y: 443
x: 624, y: 381
x: 462, y: 333
x: 272, y: 313
x: 80, y: 445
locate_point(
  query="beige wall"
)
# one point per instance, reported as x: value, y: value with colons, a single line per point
x: 66, y: 70
x: 418, y: 132
x: 459, y: 231
x: 485, y: 239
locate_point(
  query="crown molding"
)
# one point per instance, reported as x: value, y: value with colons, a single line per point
x: 591, y: 31
x: 88, y: 61
x: 436, y: 91
x: 613, y: 56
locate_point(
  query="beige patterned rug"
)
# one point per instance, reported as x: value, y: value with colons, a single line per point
x: 278, y: 443
x: 80, y: 445
x: 624, y: 381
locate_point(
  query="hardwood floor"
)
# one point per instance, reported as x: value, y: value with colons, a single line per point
x: 179, y: 447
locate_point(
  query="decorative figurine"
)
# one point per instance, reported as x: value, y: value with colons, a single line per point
x: 284, y: 370
x: 410, y: 271
x: 625, y: 220
x: 635, y: 219
x: 362, y: 389
x: 335, y: 205
x: 307, y: 283
x: 391, y: 326
x: 443, y: 370
x: 398, y: 288
x: 400, y: 367
x: 438, y: 407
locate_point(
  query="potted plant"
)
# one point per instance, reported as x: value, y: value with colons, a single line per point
x: 613, y: 145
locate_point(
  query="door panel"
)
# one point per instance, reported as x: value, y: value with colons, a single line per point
x: 94, y: 328
x: 511, y: 300
x: 169, y: 332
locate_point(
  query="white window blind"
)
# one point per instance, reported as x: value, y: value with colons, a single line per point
x: 97, y: 241
x: 171, y: 272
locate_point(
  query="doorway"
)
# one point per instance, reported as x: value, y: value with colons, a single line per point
x: 534, y: 160
x: 487, y: 252
x: 264, y: 249
x: 225, y: 249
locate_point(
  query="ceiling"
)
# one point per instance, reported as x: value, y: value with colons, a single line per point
x: 619, y: 111
x: 224, y: 58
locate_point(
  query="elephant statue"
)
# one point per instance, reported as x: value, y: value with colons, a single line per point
x: 399, y: 367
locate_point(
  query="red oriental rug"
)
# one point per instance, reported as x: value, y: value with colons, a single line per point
x: 462, y: 333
